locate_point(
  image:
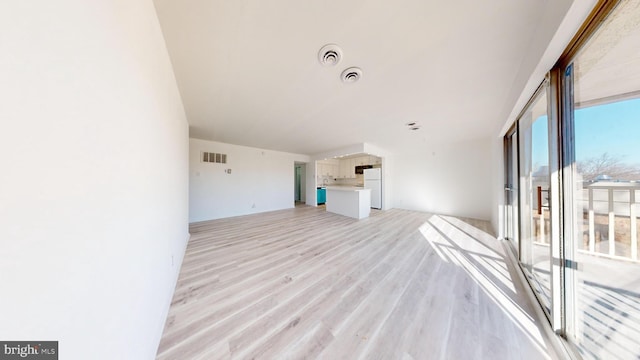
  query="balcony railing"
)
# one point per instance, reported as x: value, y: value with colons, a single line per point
x: 615, y: 202
x: 610, y: 219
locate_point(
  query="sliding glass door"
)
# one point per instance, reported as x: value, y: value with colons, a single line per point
x: 534, y: 217
x: 572, y: 187
x: 511, y: 187
x: 604, y: 313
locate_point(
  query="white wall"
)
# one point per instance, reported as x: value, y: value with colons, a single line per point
x: 260, y: 180
x: 562, y: 21
x: 93, y: 176
x: 558, y: 26
x: 453, y: 179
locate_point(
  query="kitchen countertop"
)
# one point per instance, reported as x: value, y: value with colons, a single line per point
x: 347, y: 188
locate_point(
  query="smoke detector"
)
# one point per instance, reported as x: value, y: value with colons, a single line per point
x: 330, y: 55
x: 351, y: 75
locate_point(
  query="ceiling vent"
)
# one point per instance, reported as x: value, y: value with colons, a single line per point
x: 351, y: 75
x: 413, y: 125
x: 330, y: 55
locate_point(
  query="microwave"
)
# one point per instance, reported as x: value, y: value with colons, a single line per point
x: 360, y: 168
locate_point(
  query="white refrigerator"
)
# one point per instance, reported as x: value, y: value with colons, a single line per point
x: 373, y: 181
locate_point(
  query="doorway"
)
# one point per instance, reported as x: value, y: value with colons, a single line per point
x: 299, y: 190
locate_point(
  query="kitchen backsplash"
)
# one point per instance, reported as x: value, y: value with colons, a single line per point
x: 327, y: 180
x: 359, y: 180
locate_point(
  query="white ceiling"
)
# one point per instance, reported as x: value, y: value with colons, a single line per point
x: 249, y: 75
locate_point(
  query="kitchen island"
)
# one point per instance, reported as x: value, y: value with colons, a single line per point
x: 349, y: 201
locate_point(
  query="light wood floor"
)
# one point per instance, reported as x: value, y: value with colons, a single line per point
x: 304, y: 283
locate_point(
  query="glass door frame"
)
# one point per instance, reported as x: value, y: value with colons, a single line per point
x: 511, y: 193
x: 557, y: 194
x: 562, y: 85
x: 556, y: 314
x: 562, y: 173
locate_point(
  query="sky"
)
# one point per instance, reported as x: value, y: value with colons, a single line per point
x: 611, y: 128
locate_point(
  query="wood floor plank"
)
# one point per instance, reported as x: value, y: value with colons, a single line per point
x: 360, y: 327
x: 305, y: 269
x: 360, y: 260
x: 328, y: 299
x: 304, y: 284
x: 391, y: 335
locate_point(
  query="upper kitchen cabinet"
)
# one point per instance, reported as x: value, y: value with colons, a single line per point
x: 352, y: 169
x: 367, y: 160
x: 329, y: 168
x: 322, y: 170
x: 343, y: 173
x: 347, y: 167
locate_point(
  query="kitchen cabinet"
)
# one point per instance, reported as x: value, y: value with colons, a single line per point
x: 346, y: 168
x: 352, y: 168
x: 329, y: 170
x: 326, y: 168
x: 343, y: 172
x: 349, y: 201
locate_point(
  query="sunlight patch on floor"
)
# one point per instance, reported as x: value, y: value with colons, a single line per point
x: 484, y: 265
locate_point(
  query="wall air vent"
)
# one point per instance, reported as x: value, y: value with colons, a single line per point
x: 214, y: 158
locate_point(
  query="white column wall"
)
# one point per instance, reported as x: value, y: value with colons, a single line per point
x: 93, y: 177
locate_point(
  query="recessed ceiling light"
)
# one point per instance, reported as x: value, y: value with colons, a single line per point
x: 330, y: 55
x: 351, y: 75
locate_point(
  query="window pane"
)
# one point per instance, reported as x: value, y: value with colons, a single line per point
x: 534, y: 198
x: 605, y: 312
